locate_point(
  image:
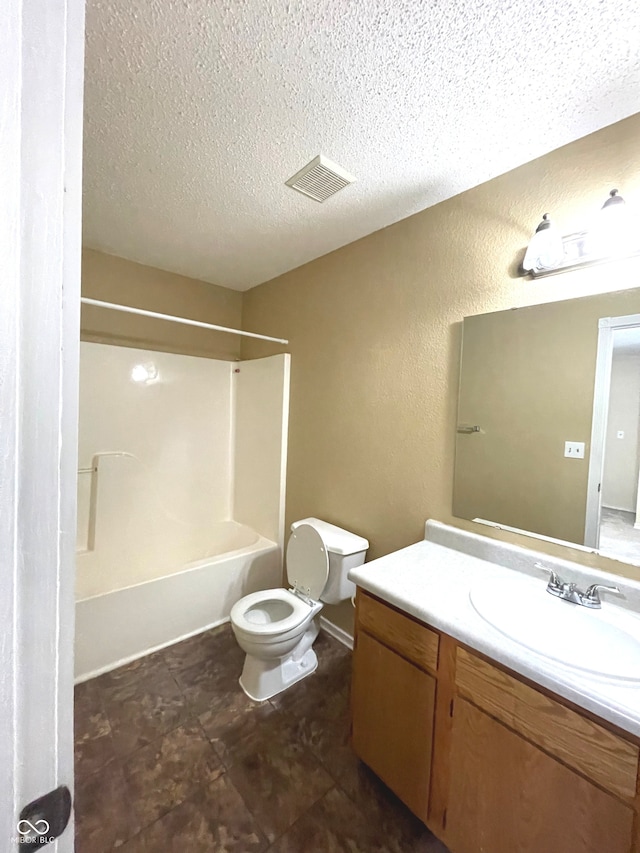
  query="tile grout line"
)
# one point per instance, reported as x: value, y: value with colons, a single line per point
x: 299, y: 818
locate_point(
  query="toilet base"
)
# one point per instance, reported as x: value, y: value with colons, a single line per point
x: 262, y: 679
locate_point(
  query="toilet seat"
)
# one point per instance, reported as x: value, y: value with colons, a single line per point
x: 307, y: 562
x: 261, y: 626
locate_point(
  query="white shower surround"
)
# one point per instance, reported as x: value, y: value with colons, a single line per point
x: 170, y: 535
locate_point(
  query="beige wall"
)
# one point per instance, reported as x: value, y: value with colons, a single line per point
x: 527, y: 380
x: 374, y: 333
x: 620, y: 477
x: 113, y: 279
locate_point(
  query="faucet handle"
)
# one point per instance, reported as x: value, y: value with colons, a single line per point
x: 554, y: 580
x: 591, y: 596
x: 595, y: 586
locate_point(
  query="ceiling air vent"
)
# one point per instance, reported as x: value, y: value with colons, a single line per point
x: 320, y: 179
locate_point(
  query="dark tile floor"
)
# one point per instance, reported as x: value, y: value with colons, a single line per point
x: 172, y: 756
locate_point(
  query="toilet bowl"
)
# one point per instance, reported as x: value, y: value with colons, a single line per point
x: 277, y: 627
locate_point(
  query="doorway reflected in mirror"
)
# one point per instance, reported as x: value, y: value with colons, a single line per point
x: 612, y: 502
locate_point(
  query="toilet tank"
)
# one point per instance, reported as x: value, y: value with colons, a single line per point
x: 346, y: 551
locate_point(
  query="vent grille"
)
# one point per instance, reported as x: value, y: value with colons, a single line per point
x: 320, y: 179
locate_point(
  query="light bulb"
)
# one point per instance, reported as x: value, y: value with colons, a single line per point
x: 545, y: 251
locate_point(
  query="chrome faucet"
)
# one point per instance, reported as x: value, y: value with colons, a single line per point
x: 570, y: 592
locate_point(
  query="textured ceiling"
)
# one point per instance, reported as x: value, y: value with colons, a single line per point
x: 198, y: 111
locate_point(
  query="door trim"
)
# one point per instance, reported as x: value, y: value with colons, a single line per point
x: 41, y: 63
x: 602, y: 386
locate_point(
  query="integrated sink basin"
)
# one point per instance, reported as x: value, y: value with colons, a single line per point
x: 604, y: 643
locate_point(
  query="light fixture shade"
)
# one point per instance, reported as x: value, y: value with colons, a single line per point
x: 611, y: 233
x: 545, y: 250
x: 614, y: 202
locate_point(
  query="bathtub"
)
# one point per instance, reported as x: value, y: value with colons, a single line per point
x: 116, y: 626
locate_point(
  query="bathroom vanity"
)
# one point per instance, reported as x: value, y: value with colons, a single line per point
x: 496, y: 747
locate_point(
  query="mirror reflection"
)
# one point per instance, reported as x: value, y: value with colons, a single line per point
x: 548, y: 421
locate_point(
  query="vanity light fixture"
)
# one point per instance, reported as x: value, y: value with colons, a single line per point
x: 613, y: 234
x: 545, y: 251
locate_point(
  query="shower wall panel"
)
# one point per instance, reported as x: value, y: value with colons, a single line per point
x: 155, y: 460
x: 261, y: 429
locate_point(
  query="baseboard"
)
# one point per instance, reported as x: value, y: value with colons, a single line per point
x: 619, y: 508
x: 110, y: 667
x: 338, y: 634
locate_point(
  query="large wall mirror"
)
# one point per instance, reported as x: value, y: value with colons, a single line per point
x: 548, y: 421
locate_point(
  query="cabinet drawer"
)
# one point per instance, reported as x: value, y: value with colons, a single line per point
x: 589, y: 748
x: 411, y: 639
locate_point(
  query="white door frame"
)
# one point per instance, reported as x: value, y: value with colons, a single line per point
x: 602, y: 386
x: 41, y: 67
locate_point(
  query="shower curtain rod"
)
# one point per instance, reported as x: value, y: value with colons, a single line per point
x: 127, y: 309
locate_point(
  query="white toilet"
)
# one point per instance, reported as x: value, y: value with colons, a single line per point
x: 277, y: 627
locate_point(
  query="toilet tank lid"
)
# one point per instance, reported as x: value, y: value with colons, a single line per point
x: 336, y: 540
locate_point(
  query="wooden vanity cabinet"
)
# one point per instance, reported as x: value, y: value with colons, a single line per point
x: 489, y: 762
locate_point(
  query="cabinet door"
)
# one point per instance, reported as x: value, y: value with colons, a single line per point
x: 392, y: 708
x: 507, y: 796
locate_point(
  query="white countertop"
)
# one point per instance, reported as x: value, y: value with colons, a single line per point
x: 431, y: 581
